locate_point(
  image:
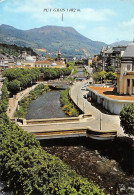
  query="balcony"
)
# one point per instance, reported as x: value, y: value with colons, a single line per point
x: 130, y: 73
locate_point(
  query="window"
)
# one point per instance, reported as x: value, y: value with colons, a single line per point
x: 128, y: 82
x: 128, y: 67
x: 133, y: 67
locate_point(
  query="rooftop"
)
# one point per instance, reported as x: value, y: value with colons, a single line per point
x: 108, y: 92
x: 129, y: 52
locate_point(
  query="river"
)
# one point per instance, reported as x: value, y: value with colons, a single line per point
x: 46, y: 106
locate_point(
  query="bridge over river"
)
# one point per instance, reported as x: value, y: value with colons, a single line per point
x: 65, y: 127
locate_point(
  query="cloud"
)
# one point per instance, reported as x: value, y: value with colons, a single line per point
x: 1, y: 1
x: 128, y: 23
x: 96, y: 15
x: 25, y: 6
x: 85, y: 15
x: 36, y: 7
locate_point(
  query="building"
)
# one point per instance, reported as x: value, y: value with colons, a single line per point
x: 59, y: 56
x: 116, y: 56
x: 50, y: 64
x: 26, y: 62
x: 112, y: 56
x: 105, y: 53
x: 125, y: 80
x: 3, y: 62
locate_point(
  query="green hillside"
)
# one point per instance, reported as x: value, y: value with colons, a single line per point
x: 67, y: 39
x: 14, y: 50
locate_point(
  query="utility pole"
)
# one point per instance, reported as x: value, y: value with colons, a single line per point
x: 100, y: 121
x: 77, y: 99
x: 83, y: 108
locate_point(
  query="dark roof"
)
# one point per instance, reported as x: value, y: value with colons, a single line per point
x: 129, y: 52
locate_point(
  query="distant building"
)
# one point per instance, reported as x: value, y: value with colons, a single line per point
x: 59, y: 56
x: 125, y: 80
x: 26, y: 62
x: 116, y: 56
x: 50, y: 64
x: 3, y: 62
x: 112, y: 56
x: 105, y: 53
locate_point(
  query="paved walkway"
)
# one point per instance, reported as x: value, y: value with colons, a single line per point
x: 13, y: 102
x: 108, y: 121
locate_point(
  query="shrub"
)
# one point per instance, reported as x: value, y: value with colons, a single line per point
x: 67, y: 105
x: 127, y: 119
x: 27, y: 168
x: 4, y: 98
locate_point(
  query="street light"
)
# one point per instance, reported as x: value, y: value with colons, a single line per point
x: 83, y: 108
x: 100, y: 121
x: 77, y: 99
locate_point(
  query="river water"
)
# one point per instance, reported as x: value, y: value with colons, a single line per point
x: 46, y: 106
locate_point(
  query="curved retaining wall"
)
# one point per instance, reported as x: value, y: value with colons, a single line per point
x: 112, y: 105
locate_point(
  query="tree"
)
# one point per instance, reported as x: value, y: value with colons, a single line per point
x: 127, y: 119
x: 111, y: 76
x: 14, y: 86
x: 99, y: 76
x: 110, y: 69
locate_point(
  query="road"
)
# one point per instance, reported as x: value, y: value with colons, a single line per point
x: 108, y: 121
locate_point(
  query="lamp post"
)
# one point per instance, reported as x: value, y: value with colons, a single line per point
x: 83, y: 108
x: 100, y: 122
x: 77, y: 99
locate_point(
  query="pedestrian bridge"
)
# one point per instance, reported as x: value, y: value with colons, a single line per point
x: 65, y: 128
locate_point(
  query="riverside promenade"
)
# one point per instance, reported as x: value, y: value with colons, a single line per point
x: 13, y: 102
x: 108, y: 121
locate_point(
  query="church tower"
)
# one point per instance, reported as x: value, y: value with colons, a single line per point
x: 46, y: 54
x: 59, y: 56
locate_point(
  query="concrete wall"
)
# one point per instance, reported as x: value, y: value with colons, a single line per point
x: 114, y: 106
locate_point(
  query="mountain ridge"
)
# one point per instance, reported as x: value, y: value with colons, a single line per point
x: 120, y: 43
x: 51, y: 38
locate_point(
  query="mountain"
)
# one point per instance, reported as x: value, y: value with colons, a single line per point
x: 51, y: 38
x: 120, y: 43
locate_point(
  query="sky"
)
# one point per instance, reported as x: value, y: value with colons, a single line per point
x: 100, y: 20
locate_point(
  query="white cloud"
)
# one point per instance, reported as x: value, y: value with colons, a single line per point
x: 1, y: 1
x: 79, y: 20
x: 129, y: 23
x: 36, y: 7
x: 25, y: 6
x: 96, y: 15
